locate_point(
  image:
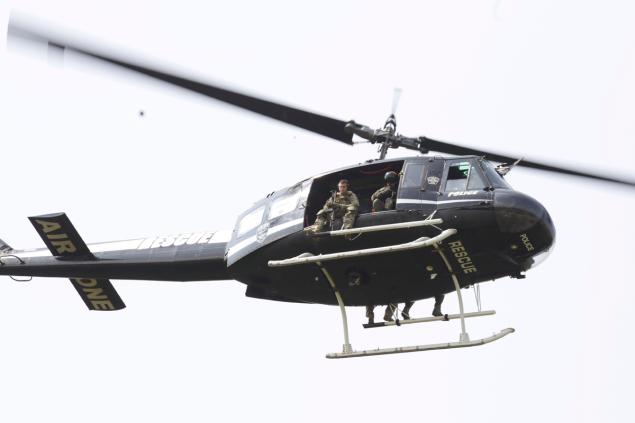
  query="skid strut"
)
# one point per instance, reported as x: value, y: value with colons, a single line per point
x: 464, y: 337
x: 347, y: 349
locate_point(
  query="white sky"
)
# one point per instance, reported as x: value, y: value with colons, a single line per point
x: 537, y: 79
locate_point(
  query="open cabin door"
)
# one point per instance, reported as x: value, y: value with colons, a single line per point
x: 363, y: 180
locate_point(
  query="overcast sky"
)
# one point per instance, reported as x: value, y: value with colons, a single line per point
x: 553, y: 81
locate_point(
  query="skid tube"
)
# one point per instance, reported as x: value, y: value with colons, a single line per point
x: 429, y: 347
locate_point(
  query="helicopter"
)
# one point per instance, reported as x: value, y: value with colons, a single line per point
x: 456, y: 223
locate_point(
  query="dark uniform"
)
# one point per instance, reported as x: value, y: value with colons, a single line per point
x: 390, y: 310
x: 340, y: 205
x: 405, y: 313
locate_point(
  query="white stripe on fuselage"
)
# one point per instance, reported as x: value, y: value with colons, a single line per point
x: 417, y: 201
x: 193, y: 238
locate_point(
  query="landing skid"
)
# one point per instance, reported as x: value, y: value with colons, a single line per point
x: 347, y: 350
x: 429, y: 347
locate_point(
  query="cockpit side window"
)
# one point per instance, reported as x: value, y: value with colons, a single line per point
x: 463, y: 176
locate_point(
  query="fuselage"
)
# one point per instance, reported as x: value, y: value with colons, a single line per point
x: 500, y: 232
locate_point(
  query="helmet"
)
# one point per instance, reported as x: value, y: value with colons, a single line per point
x: 391, y: 177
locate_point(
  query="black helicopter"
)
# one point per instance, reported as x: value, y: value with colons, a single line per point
x: 456, y: 223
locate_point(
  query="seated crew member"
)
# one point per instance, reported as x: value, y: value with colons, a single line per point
x: 385, y: 197
x: 343, y: 203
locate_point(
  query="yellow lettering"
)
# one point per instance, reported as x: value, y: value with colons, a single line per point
x: 455, y: 244
x: 57, y: 236
x: 95, y: 293
x: 458, y: 249
x: 470, y: 270
x: 48, y: 226
x: 464, y: 260
x: 462, y: 254
x: 87, y: 283
x: 102, y: 305
x: 65, y: 246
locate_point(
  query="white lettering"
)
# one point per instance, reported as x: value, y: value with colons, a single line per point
x: 205, y: 238
x: 461, y: 193
x: 182, y: 239
x: 177, y: 240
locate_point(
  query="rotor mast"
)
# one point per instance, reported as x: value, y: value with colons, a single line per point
x: 386, y: 137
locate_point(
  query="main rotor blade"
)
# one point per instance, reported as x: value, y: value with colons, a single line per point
x: 323, y: 125
x: 444, y: 147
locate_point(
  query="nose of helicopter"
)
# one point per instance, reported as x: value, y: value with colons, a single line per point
x: 530, y: 228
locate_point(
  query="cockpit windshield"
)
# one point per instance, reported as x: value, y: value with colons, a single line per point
x: 495, y: 179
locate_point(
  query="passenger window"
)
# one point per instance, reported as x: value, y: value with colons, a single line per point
x: 412, y: 178
x: 463, y: 176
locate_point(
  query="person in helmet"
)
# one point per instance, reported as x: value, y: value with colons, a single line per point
x: 385, y: 197
x: 343, y: 203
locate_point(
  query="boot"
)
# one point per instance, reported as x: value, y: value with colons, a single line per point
x: 405, y: 313
x: 370, y: 314
x: 436, y: 311
x: 390, y: 310
x: 438, y: 300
